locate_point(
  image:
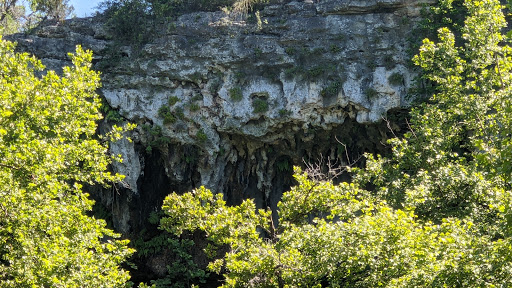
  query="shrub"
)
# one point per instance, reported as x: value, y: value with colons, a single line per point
x: 371, y: 93
x: 396, y: 79
x: 155, y: 137
x: 173, y: 100
x: 315, y: 72
x: 258, y: 52
x: 196, y: 97
x: 260, y: 105
x: 240, y: 76
x: 215, y: 86
x: 389, y: 62
x: 114, y: 116
x: 332, y: 90
x: 283, y: 112
x: 194, y: 107
x: 179, y: 113
x: 165, y: 113
x: 335, y: 48
x: 283, y: 165
x: 292, y: 71
x: 235, y: 94
x: 290, y: 50
x: 201, y: 136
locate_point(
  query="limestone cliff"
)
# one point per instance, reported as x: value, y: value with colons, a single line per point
x: 244, y: 101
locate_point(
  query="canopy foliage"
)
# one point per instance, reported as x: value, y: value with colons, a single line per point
x: 48, y: 150
x: 14, y: 17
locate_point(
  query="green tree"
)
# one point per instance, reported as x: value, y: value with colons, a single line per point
x: 455, y: 162
x: 52, y: 9
x: 14, y: 17
x: 48, y: 149
x: 10, y: 16
x: 437, y: 213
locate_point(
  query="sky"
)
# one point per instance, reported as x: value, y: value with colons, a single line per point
x: 84, y: 7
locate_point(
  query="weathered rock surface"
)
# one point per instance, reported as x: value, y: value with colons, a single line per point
x: 247, y: 101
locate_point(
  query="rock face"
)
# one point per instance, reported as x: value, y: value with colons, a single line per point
x: 233, y: 105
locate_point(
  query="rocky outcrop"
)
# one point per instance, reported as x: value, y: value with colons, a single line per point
x: 233, y: 105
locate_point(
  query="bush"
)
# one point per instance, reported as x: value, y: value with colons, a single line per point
x: 201, y: 136
x: 315, y: 72
x: 292, y: 72
x: 371, y: 93
x: 114, y: 116
x: 235, y: 94
x: 155, y: 136
x: 165, y: 113
x: 178, y: 111
x: 389, y: 62
x: 194, y: 107
x: 283, y: 112
x: 260, y: 105
x: 173, y: 100
x: 332, y: 90
x: 215, y: 86
x: 183, y: 270
x: 396, y: 79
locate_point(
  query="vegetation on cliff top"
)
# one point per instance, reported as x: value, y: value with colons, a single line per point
x: 135, y: 21
x: 14, y: 17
